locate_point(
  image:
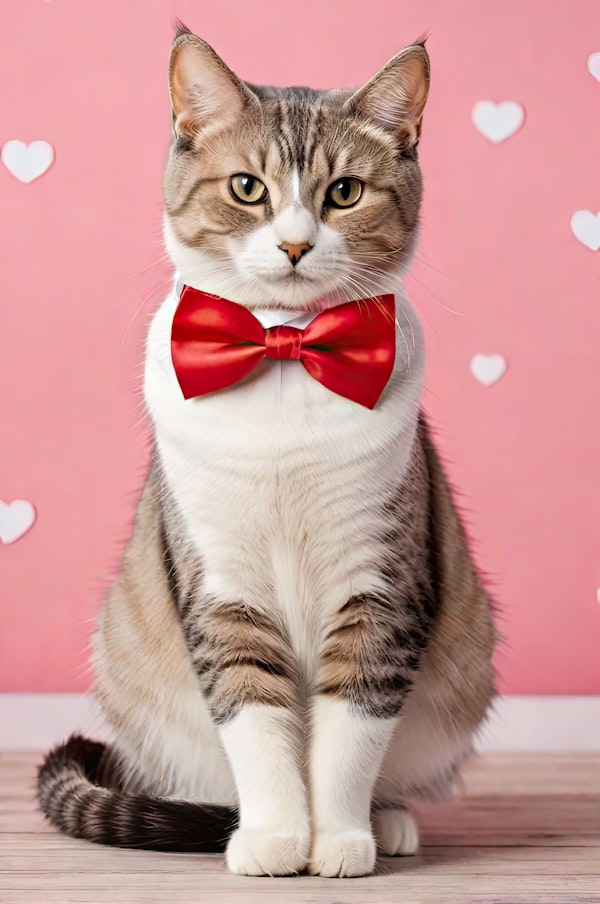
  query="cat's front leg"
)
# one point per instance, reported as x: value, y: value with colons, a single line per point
x: 249, y: 677
x: 346, y: 753
x: 367, y: 663
x: 273, y: 839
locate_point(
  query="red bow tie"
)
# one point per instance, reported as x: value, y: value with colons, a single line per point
x: 349, y: 349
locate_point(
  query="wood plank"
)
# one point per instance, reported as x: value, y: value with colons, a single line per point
x: 526, y: 830
x: 381, y: 888
x: 19, y: 848
x: 532, y: 774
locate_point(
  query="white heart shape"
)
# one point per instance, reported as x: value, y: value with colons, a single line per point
x: 488, y: 368
x: 27, y: 161
x: 586, y: 228
x: 497, y: 121
x: 16, y: 518
x: 594, y: 65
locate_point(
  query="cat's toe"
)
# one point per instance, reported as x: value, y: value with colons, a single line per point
x: 397, y: 832
x: 350, y: 853
x: 253, y: 852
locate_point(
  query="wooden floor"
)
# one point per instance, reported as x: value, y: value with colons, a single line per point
x: 526, y: 829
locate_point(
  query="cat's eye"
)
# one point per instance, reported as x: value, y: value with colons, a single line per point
x: 344, y: 193
x: 248, y: 189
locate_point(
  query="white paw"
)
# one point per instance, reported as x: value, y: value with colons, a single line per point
x: 350, y: 853
x: 397, y: 832
x: 253, y: 852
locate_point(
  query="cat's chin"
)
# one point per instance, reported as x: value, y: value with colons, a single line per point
x: 295, y: 292
x: 301, y: 295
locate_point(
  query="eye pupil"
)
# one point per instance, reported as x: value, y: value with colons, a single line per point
x: 344, y: 189
x: 247, y: 185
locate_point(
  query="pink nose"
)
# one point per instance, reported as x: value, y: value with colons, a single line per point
x: 295, y: 250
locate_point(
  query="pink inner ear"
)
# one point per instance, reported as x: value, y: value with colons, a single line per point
x: 391, y: 109
x: 396, y: 96
x: 203, y: 88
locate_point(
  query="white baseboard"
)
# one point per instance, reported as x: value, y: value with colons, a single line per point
x: 545, y: 724
x: 517, y: 724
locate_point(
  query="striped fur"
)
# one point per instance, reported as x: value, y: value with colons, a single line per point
x: 298, y: 637
x: 241, y: 656
x: 74, y: 798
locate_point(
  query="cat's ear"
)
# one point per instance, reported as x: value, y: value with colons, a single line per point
x: 204, y: 92
x: 396, y: 96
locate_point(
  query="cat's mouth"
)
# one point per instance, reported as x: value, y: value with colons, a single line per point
x: 295, y: 278
x: 292, y: 273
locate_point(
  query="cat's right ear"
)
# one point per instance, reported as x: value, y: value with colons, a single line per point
x: 205, y: 93
x: 396, y: 96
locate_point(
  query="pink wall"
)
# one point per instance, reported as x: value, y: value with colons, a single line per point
x: 499, y: 271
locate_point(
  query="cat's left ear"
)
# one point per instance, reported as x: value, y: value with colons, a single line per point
x: 396, y: 96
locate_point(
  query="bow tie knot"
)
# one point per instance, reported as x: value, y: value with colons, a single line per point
x: 283, y: 342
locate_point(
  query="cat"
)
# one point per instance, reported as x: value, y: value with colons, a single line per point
x: 298, y: 641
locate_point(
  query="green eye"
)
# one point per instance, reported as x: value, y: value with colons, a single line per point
x: 248, y: 189
x: 344, y: 193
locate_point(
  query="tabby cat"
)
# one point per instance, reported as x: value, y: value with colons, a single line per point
x: 298, y: 641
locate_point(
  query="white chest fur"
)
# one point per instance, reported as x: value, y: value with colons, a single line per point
x: 279, y: 481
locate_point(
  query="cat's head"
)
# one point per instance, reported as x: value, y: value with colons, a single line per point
x: 292, y: 198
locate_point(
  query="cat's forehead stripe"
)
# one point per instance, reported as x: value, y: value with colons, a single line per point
x: 297, y: 133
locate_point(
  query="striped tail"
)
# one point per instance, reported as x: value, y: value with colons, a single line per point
x: 71, y: 796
